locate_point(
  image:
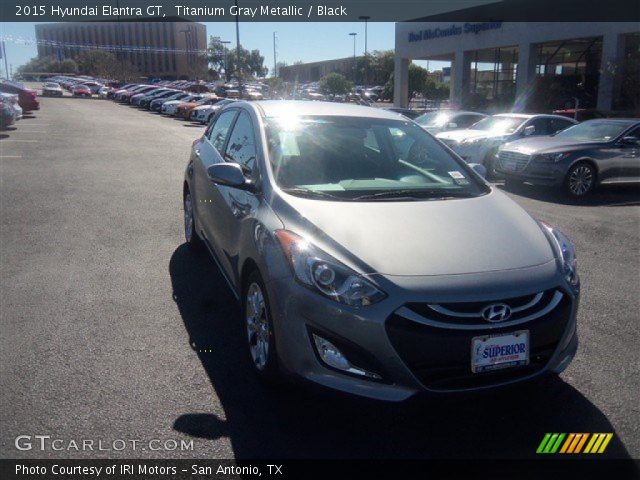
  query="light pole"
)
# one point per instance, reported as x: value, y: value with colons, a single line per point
x: 238, y: 47
x: 275, y: 55
x: 366, y: 58
x: 354, y: 34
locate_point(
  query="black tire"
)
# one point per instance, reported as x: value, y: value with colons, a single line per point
x: 192, y: 239
x: 266, y: 369
x: 512, y: 183
x: 580, y: 180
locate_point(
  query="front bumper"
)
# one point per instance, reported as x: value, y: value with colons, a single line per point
x: 410, y: 357
x: 545, y: 174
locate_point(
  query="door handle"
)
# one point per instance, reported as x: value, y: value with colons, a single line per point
x: 197, y: 152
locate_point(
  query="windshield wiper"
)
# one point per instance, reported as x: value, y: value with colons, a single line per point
x: 306, y: 192
x: 415, y: 194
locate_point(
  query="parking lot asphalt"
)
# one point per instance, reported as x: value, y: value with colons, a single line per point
x: 112, y: 329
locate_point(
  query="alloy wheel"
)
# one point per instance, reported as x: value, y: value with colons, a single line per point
x: 257, y: 326
x: 188, y: 217
x: 581, y: 180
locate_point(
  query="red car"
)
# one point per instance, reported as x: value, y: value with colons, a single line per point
x: 27, y: 98
x: 81, y: 91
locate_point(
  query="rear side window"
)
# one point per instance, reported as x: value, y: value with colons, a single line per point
x: 464, y: 121
x: 241, y: 148
x: 558, y: 124
x: 217, y: 134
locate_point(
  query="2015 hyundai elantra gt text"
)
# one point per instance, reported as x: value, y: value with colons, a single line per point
x: 369, y: 258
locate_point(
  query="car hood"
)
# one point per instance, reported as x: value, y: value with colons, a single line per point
x: 465, y: 134
x: 439, y: 237
x: 204, y: 107
x: 546, y: 144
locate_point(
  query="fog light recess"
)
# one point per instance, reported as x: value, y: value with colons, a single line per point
x: 334, y: 358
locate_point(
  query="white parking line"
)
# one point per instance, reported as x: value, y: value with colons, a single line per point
x: 20, y: 141
x: 10, y: 156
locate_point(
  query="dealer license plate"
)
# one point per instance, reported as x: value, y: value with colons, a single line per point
x: 494, y: 352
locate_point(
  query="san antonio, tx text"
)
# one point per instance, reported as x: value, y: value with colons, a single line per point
x: 142, y: 469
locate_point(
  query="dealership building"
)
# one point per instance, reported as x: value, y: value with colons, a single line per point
x: 525, y: 65
x: 157, y: 49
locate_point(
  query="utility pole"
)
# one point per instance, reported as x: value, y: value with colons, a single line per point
x: 6, y: 63
x: 238, y: 45
x: 354, y: 34
x: 275, y: 56
x: 366, y: 58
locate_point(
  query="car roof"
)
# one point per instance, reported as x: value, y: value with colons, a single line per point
x: 276, y: 108
x: 620, y: 121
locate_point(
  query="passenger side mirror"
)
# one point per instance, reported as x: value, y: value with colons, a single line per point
x: 530, y: 130
x: 479, y: 169
x: 630, y: 141
x: 452, y: 125
x: 230, y: 175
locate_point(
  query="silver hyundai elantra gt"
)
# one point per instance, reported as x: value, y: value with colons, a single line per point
x: 369, y: 258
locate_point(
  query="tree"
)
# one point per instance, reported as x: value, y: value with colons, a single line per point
x: 334, y: 84
x: 251, y: 62
x: 417, y: 79
x: 433, y: 90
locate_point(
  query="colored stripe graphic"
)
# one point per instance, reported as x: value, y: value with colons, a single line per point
x: 543, y: 443
x: 573, y: 443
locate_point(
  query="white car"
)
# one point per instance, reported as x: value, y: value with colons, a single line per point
x: 12, y: 100
x: 103, y: 92
x: 169, y: 108
x: 204, y: 113
x: 480, y: 142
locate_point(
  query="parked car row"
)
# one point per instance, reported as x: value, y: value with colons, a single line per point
x: 197, y: 107
x: 542, y: 149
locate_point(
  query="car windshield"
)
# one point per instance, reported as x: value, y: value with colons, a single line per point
x: 499, y: 124
x: 593, y: 131
x: 434, y: 119
x: 358, y: 158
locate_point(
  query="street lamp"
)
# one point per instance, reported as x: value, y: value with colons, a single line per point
x: 354, y: 34
x: 366, y: 58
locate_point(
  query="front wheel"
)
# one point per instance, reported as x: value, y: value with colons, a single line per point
x: 256, y: 315
x: 580, y: 179
x: 191, y: 236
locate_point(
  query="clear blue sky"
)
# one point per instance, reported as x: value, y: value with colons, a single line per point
x: 307, y: 42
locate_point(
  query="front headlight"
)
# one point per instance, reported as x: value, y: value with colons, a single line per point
x: 550, y: 157
x: 566, y: 252
x: 324, y: 274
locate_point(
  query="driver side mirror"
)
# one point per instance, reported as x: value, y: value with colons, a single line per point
x: 530, y: 130
x: 630, y: 141
x: 230, y: 175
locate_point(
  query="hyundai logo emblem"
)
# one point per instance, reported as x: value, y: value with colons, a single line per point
x: 498, y: 312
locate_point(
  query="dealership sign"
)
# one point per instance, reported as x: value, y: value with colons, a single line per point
x: 453, y: 30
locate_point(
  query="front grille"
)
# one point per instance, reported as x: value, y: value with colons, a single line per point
x: 513, y: 161
x: 470, y: 314
x: 441, y: 357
